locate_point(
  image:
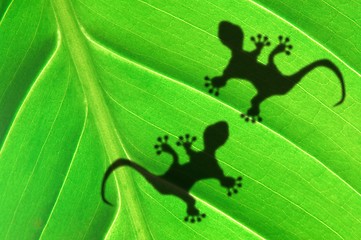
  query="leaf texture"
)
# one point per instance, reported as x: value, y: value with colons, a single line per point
x: 86, y: 82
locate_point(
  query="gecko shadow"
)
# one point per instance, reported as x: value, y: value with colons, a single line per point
x: 180, y: 178
x: 266, y: 78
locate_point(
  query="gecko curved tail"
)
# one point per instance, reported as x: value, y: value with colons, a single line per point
x: 322, y: 63
x: 117, y: 164
x: 120, y: 163
x: 330, y: 65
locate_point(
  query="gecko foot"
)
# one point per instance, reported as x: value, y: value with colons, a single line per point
x: 284, y: 45
x: 251, y: 118
x: 232, y: 185
x: 186, y: 141
x: 214, y: 84
x: 162, y: 145
x: 260, y: 41
x: 194, y: 216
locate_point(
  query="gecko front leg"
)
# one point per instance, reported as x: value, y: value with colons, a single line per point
x: 283, y: 47
x: 260, y: 42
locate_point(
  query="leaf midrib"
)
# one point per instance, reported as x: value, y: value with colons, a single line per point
x: 87, y: 75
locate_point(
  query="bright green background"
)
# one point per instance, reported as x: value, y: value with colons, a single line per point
x: 74, y: 99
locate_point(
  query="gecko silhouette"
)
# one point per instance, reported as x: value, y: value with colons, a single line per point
x: 266, y: 78
x: 180, y: 178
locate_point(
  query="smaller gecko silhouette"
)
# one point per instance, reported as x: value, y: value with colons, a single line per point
x: 266, y: 78
x: 180, y: 178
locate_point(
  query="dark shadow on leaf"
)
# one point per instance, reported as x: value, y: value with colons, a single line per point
x: 266, y: 78
x: 180, y: 178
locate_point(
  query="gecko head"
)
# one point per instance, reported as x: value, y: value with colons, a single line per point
x: 226, y: 27
x: 215, y: 136
x: 230, y: 35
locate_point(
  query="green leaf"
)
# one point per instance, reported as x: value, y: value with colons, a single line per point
x: 86, y: 82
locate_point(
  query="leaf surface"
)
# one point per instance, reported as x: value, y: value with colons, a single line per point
x: 87, y: 82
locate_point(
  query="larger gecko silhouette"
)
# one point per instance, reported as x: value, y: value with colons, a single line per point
x: 180, y: 178
x: 266, y: 78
